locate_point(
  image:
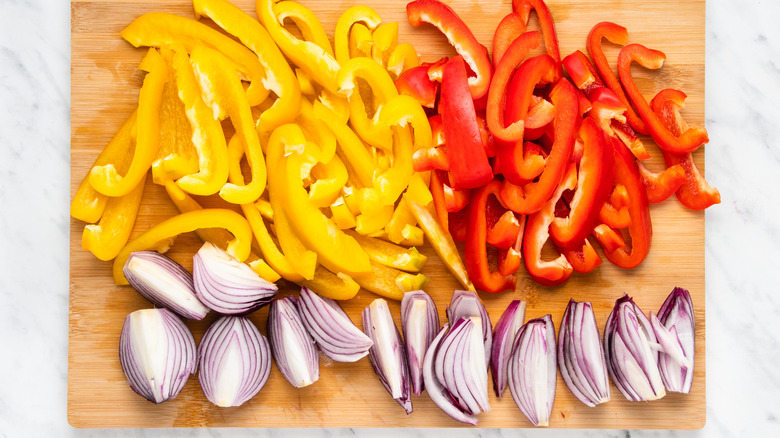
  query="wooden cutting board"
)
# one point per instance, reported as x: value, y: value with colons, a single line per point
x: 105, y: 85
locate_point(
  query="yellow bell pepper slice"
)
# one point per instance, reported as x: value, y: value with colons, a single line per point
x: 106, y: 178
x: 305, y: 83
x: 352, y: 148
x: 385, y: 41
x: 161, y: 236
x: 106, y: 238
x: 389, y: 254
x: 336, y: 103
x: 315, y: 129
x: 159, y: 29
x: 330, y: 179
x: 264, y: 207
x: 355, y: 14
x: 440, y: 240
x: 226, y: 95
x: 402, y: 217
x: 308, y: 23
x: 88, y: 204
x: 361, y: 42
x: 335, y: 250
x: 279, y: 77
x: 368, y: 127
x: 335, y: 286
x: 341, y: 215
x: 390, y: 283
x: 320, y: 65
x: 403, y: 57
x: 373, y: 218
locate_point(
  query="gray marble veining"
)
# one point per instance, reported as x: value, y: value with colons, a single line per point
x: 742, y: 234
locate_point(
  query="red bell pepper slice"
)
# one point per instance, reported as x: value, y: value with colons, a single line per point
x: 537, y: 232
x: 615, y: 34
x: 436, y: 69
x: 660, y: 186
x: 509, y: 29
x: 455, y: 200
x: 614, y: 212
x: 415, y: 83
x: 583, y: 259
x: 524, y: 7
x: 432, y: 158
x: 459, y: 35
x: 476, y: 244
x: 469, y: 166
x: 458, y: 223
x: 540, y: 108
x: 520, y: 163
x: 509, y: 260
x: 582, y: 73
x: 640, y: 229
x: 686, y: 142
x: 436, y: 186
x: 487, y: 140
x: 695, y: 193
x: 530, y: 197
x: 595, y: 173
x: 503, y: 225
x: 437, y: 130
x: 540, y: 114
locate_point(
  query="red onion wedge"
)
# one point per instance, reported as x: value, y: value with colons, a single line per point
x: 631, y: 351
x: 157, y: 354
x: 419, y: 322
x: 503, y: 339
x: 164, y: 282
x: 466, y: 303
x: 532, y: 370
x: 440, y: 396
x: 235, y: 361
x: 387, y: 355
x: 675, y: 329
x: 293, y: 348
x: 581, y: 355
x: 335, y: 334
x: 226, y: 285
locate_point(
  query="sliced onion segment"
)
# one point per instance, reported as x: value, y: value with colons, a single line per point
x: 440, y: 396
x: 460, y: 367
x: 532, y: 370
x: 676, y: 325
x: 503, y: 339
x: 465, y: 304
x: 419, y: 322
x: 294, y: 350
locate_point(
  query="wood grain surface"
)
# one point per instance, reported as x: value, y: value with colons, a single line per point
x: 105, y: 83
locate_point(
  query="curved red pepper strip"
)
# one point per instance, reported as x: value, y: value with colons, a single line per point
x: 584, y: 259
x: 520, y: 163
x: 595, y: 173
x: 609, y: 239
x: 455, y: 200
x: 695, y: 193
x: 689, y: 140
x: 541, y: 113
x: 614, y: 212
x: 426, y: 159
x: 537, y: 231
x: 459, y: 35
x: 415, y: 83
x: 582, y: 73
x: 524, y: 7
x: 502, y: 225
x: 487, y: 140
x: 437, y: 192
x: 615, y: 34
x: 640, y: 229
x: 457, y: 225
x: 510, y: 28
x: 436, y: 69
x: 660, y: 186
x: 509, y: 260
x: 530, y: 198
x: 476, y: 240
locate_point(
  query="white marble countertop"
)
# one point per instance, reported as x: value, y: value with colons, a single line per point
x: 742, y: 234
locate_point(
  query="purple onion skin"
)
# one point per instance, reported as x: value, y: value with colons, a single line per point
x: 196, y: 310
x: 388, y: 346
x: 426, y: 333
x: 284, y: 320
x: 181, y: 355
x: 466, y: 303
x: 332, y: 330
x: 581, y: 357
x: 628, y: 339
x: 676, y: 314
x: 533, y: 358
x: 503, y: 339
x: 233, y: 335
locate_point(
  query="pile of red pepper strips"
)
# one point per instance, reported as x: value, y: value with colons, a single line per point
x: 523, y: 154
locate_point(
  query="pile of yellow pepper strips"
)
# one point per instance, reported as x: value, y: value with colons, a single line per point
x: 328, y: 142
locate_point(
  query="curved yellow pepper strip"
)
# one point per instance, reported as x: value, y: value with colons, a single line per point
x: 402, y: 227
x: 372, y: 131
x: 308, y: 23
x: 335, y: 250
x: 336, y: 103
x: 88, y: 204
x: 355, y: 14
x: 374, y: 216
x: 160, y: 237
x: 305, y: 83
x: 321, y: 66
x: 403, y: 110
x: 158, y: 29
x: 106, y: 179
x: 279, y: 77
x: 354, y: 151
x: 391, y: 255
x: 221, y: 84
x: 361, y: 42
x: 207, y: 135
x: 403, y: 57
x: 341, y: 215
x: 330, y: 179
x: 390, y: 283
x: 335, y: 286
x: 385, y: 41
x: 317, y: 130
x: 264, y: 207
x: 106, y: 238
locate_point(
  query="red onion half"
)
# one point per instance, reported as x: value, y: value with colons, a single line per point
x: 581, y: 355
x: 331, y: 328
x: 419, y: 322
x: 465, y: 304
x: 157, y: 354
x: 226, y: 285
x: 164, y: 282
x: 387, y: 355
x: 235, y: 361
x: 631, y: 350
x: 532, y: 370
x: 503, y: 339
x: 675, y: 329
x: 293, y: 348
